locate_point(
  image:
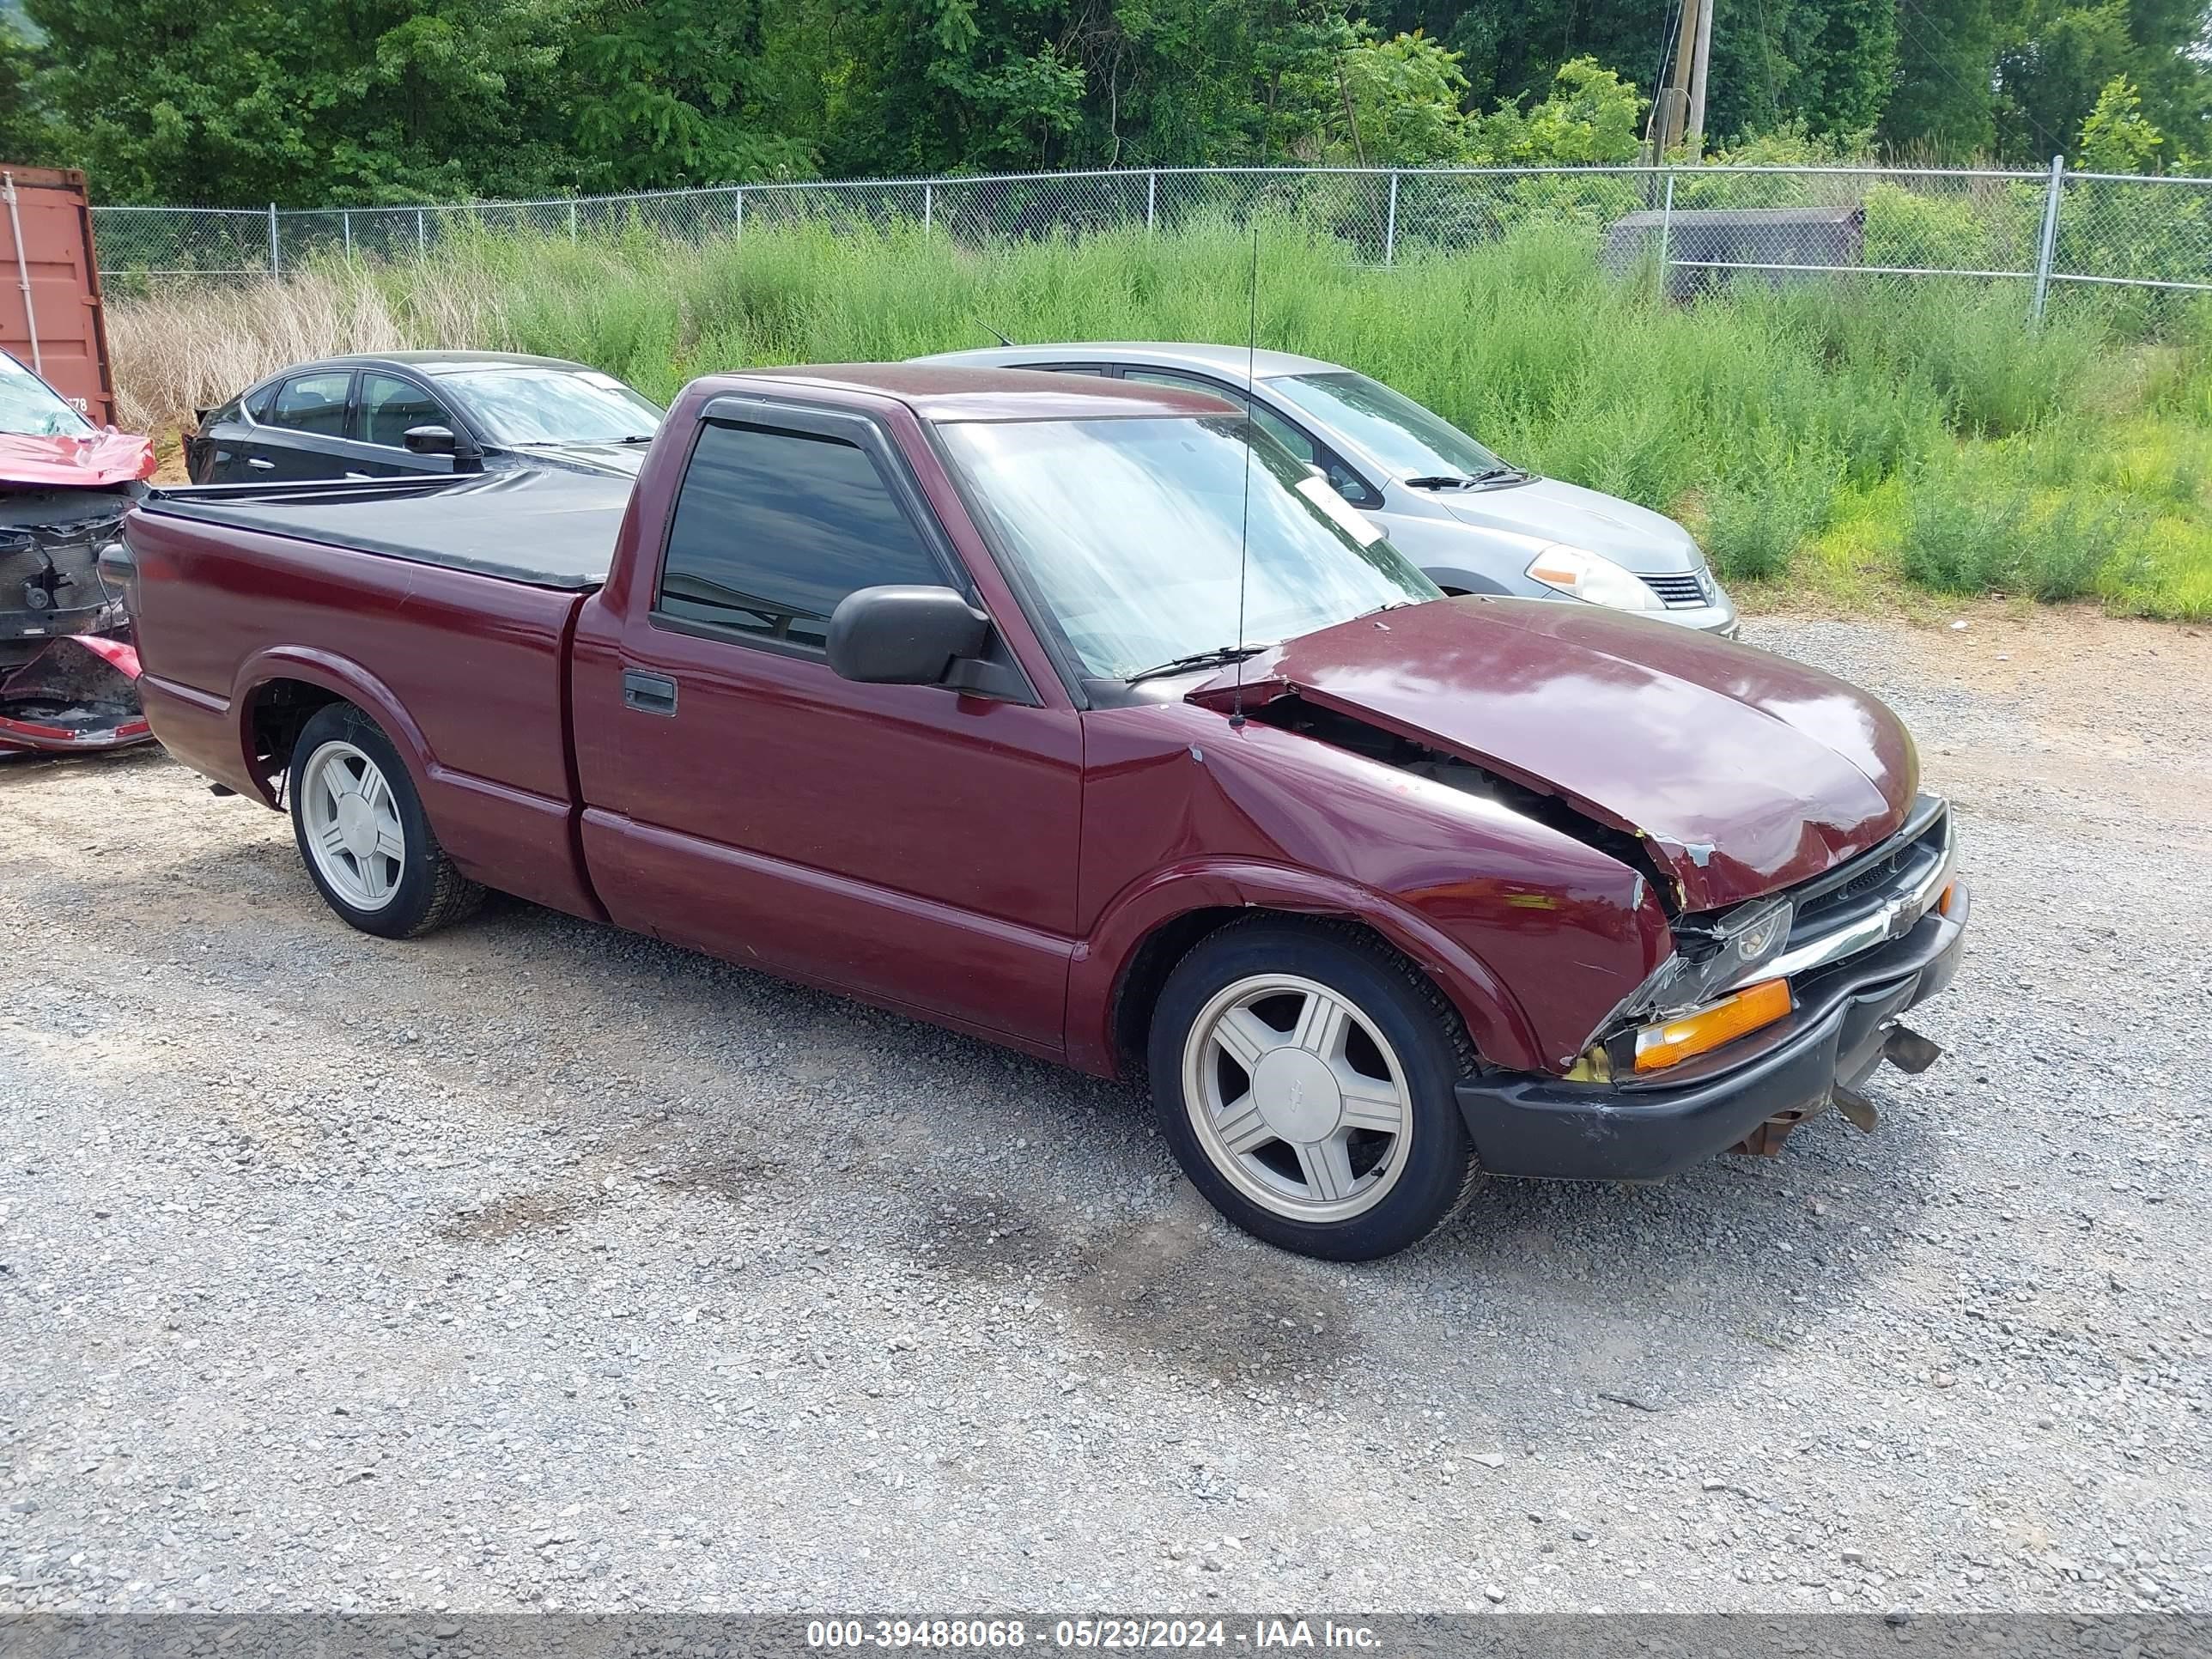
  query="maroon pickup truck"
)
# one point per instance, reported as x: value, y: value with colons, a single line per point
x: 1078, y: 716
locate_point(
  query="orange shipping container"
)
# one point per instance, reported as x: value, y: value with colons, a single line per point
x: 50, y: 316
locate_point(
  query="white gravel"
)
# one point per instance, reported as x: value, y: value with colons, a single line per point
x: 534, y: 1264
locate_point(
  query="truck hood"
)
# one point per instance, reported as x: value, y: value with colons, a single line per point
x: 1743, y: 771
x: 90, y: 460
x: 1633, y: 536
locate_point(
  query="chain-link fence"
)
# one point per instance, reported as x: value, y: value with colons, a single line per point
x: 1695, y: 230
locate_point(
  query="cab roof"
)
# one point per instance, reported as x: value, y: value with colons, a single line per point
x: 942, y: 394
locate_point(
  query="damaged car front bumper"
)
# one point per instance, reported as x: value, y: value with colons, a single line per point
x: 69, y: 669
x: 1845, y: 1025
x: 77, y: 694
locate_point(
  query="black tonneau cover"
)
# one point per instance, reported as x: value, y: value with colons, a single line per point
x: 549, y: 528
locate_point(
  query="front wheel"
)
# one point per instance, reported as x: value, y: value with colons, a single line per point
x: 1303, y: 1074
x: 368, y: 843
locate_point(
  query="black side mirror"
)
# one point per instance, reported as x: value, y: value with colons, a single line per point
x: 904, y: 635
x: 444, y: 440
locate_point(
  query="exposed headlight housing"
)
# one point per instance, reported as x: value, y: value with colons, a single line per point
x: 1583, y: 574
x: 1710, y: 958
x: 1677, y: 1012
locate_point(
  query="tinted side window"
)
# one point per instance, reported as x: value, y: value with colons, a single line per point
x: 773, y: 528
x: 388, y: 405
x: 257, y: 403
x: 312, y: 402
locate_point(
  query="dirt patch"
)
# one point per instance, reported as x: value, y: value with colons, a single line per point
x: 512, y: 1217
x: 1175, y: 1291
x: 2103, y: 710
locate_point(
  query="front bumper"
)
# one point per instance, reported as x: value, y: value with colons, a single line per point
x: 1719, y: 620
x: 78, y: 694
x: 1541, y: 1126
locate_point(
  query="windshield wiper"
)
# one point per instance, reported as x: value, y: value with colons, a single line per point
x: 578, y: 443
x: 1495, y: 472
x: 1219, y: 656
x: 1442, y: 481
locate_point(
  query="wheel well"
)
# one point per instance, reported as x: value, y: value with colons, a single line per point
x: 1155, y: 958
x: 280, y: 708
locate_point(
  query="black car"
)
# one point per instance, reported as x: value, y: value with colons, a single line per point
x: 403, y: 412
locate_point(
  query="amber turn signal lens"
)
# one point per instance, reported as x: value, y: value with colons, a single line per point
x: 1658, y: 1047
x: 1943, y: 900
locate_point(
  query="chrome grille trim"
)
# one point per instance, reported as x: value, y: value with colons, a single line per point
x: 1902, y: 912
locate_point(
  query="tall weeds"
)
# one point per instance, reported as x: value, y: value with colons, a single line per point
x: 1751, y: 416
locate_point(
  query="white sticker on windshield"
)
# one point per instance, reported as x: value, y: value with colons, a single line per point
x: 1348, y: 518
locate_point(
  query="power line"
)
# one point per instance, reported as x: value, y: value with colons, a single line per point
x: 1767, y: 53
x: 1655, y: 129
x: 1951, y: 75
x: 1667, y: 43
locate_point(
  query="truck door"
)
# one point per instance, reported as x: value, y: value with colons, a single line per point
x: 913, y: 845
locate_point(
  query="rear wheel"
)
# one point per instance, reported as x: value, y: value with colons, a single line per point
x: 1303, y: 1076
x: 361, y: 830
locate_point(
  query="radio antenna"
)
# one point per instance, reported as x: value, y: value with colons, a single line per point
x: 1245, y: 529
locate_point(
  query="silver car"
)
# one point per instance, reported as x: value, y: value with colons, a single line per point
x: 1474, y: 523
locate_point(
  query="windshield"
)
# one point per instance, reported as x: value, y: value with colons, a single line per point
x: 1130, y: 531
x: 29, y: 406
x: 1409, y: 440
x: 522, y: 404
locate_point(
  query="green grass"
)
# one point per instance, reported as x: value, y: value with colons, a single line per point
x: 1847, y: 439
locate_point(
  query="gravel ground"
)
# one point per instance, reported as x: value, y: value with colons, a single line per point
x: 534, y: 1264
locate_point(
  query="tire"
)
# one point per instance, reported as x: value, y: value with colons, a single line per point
x: 1350, y: 1145
x: 376, y: 861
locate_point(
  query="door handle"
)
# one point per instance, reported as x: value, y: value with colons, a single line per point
x: 260, y: 464
x: 649, y: 693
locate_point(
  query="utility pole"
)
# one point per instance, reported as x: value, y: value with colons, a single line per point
x: 1699, y: 60
x: 1670, y: 110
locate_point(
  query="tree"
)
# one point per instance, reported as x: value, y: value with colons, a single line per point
x: 2115, y: 135
x: 302, y: 103
x: 319, y: 102
x: 930, y: 85
x: 1186, y: 82
x: 1401, y: 102
x: 1942, y: 106
x: 25, y: 133
x: 2061, y: 56
x: 1822, y: 66
x: 1590, y: 119
x: 666, y: 93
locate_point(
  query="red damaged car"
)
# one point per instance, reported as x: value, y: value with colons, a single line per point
x: 67, y: 669
x: 1079, y: 716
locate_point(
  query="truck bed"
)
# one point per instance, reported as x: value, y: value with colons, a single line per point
x: 551, y: 528
x: 462, y: 593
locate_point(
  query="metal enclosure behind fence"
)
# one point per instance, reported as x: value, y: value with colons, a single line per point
x: 1703, y: 227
